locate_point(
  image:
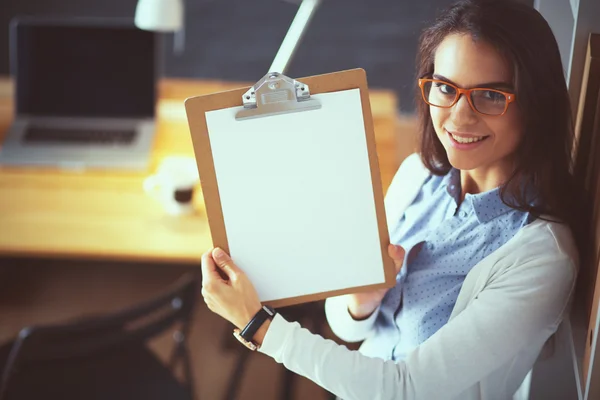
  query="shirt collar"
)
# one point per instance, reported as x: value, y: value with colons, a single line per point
x: 487, y: 205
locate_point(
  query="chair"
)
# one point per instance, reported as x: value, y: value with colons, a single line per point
x: 104, y: 357
x: 311, y: 315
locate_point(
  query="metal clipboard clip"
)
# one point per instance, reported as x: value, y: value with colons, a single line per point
x: 276, y: 94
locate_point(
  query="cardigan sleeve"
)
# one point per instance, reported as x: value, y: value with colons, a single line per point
x: 516, y: 307
x: 404, y: 187
x: 343, y: 325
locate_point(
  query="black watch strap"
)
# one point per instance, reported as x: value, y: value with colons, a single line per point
x: 256, y: 322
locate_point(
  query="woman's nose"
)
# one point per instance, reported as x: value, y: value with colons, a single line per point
x: 462, y: 113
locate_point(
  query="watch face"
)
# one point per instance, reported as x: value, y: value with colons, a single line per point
x: 251, y: 345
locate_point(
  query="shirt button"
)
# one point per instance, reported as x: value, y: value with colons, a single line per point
x: 463, y: 214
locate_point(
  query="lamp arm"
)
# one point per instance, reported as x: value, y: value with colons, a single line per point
x: 294, y: 36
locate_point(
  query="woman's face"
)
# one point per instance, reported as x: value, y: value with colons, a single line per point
x: 468, y: 64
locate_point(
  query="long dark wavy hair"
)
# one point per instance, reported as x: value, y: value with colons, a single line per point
x: 544, y: 155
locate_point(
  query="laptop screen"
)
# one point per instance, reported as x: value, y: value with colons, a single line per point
x: 83, y: 70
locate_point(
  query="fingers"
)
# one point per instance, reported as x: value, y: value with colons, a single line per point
x: 397, y: 254
x: 209, y: 269
x: 224, y: 262
x: 212, y: 282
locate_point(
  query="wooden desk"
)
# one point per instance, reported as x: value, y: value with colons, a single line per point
x: 106, y: 214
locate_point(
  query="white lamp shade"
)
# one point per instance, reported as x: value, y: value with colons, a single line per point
x: 159, y: 15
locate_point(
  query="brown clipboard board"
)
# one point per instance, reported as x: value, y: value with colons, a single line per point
x: 196, y: 108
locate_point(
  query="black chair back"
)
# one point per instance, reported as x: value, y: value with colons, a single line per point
x: 90, y: 335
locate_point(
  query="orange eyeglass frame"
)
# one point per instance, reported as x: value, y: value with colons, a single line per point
x: 510, y: 97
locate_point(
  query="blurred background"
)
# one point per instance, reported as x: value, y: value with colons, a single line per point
x: 93, y: 249
x: 237, y: 40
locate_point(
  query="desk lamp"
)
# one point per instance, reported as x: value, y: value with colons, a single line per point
x: 167, y: 16
x: 159, y: 15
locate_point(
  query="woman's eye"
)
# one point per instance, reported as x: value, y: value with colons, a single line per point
x: 491, y: 95
x: 445, y: 89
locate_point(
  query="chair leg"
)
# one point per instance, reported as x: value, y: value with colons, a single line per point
x: 236, y: 378
x: 181, y: 353
x: 11, y: 362
x: 287, y: 388
x: 189, y: 378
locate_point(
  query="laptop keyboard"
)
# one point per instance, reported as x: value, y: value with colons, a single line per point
x: 39, y: 134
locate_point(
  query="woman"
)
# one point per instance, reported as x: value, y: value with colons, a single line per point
x: 481, y: 223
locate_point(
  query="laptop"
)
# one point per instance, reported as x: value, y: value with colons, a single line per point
x: 85, y: 94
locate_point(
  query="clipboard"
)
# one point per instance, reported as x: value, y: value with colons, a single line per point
x: 291, y: 184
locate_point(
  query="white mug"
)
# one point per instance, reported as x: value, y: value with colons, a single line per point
x: 173, y: 184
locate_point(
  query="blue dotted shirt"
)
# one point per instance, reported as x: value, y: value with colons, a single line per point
x: 443, y: 241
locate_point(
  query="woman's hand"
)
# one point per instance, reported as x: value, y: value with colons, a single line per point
x: 361, y: 305
x: 227, y: 290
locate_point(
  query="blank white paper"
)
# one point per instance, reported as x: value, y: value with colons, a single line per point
x: 297, y: 197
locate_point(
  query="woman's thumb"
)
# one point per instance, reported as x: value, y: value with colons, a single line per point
x: 397, y: 254
x: 225, y: 262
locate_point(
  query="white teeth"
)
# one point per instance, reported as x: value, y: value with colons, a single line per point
x: 465, y: 140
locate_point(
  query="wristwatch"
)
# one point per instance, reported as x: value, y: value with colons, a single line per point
x: 247, y: 334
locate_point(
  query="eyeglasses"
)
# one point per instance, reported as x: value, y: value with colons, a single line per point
x: 482, y: 100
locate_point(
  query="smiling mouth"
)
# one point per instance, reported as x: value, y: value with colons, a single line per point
x: 465, y: 140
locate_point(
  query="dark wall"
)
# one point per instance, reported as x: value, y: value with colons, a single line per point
x: 237, y: 39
